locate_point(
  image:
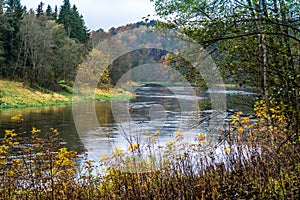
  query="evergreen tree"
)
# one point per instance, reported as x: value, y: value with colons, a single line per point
x: 11, y: 43
x: 39, y: 10
x: 2, y: 28
x: 64, y: 16
x: 49, y: 12
x: 79, y: 30
x: 73, y: 22
x: 55, y: 13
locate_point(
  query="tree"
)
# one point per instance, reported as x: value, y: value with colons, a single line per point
x: 80, y: 31
x: 49, y: 55
x: 49, y: 12
x: 55, y: 13
x: 68, y: 54
x: 73, y: 22
x: 64, y: 16
x: 256, y: 41
x: 36, y: 40
x: 11, y: 43
x: 2, y: 29
x: 39, y: 10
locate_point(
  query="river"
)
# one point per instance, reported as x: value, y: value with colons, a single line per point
x: 155, y: 108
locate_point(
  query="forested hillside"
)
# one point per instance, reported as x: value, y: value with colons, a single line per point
x: 43, y: 46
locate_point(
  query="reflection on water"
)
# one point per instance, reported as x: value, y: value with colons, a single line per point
x: 44, y: 118
x: 164, y: 109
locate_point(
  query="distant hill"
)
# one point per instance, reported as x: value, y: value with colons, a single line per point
x: 99, y: 35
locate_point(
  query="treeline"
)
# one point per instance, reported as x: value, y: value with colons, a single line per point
x: 41, y: 47
x: 100, y: 34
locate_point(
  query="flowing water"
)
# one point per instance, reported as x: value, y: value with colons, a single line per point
x: 155, y: 108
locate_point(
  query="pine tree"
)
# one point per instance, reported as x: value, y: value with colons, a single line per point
x: 80, y: 31
x: 55, y: 13
x: 73, y: 22
x: 49, y: 12
x: 39, y: 10
x: 64, y: 16
x: 11, y: 43
x: 2, y: 28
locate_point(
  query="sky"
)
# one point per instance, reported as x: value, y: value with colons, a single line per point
x: 104, y: 13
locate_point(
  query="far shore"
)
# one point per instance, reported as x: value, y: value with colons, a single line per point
x: 17, y: 95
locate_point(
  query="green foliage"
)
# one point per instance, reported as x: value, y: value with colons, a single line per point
x: 73, y: 22
x: 10, y: 29
x: 49, y: 12
x: 37, y: 50
x: 190, y: 74
x: 39, y: 10
x: 252, y: 42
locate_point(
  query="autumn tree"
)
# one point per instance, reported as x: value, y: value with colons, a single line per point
x: 252, y: 41
x: 49, y: 55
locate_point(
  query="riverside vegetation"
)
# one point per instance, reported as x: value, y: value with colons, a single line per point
x: 253, y: 42
x: 16, y: 94
x: 254, y: 160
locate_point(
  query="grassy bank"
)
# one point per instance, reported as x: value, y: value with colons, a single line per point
x: 16, y: 94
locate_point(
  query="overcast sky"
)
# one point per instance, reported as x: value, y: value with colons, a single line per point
x: 103, y: 13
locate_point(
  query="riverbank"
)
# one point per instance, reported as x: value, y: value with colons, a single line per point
x: 15, y: 94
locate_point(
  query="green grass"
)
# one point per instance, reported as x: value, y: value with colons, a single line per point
x: 17, y: 95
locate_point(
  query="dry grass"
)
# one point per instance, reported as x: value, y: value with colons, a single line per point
x: 255, y: 160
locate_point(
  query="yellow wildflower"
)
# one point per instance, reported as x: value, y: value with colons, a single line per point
x: 169, y: 143
x: 245, y: 120
x: 240, y: 130
x: 133, y: 147
x: 227, y: 150
x: 201, y: 137
x: 103, y: 158
x: 178, y: 135
x: 10, y: 133
x: 35, y: 130
x: 17, y: 118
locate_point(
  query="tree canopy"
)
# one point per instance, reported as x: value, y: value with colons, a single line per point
x: 73, y: 22
x: 37, y: 49
x: 256, y: 42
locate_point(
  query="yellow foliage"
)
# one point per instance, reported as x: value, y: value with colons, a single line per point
x: 17, y: 118
x: 118, y: 151
x: 227, y: 150
x: 133, y: 147
x: 240, y: 130
x: 35, y: 130
x: 201, y: 137
x: 245, y: 120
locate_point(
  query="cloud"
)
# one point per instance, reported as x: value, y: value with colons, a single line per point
x: 104, y: 13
